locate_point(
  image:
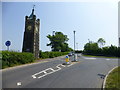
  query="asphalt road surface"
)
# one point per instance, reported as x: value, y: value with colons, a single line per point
x: 88, y: 72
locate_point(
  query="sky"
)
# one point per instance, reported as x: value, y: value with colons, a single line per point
x: 90, y: 20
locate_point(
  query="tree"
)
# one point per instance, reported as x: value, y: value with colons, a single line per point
x: 58, y: 42
x: 91, y: 48
x: 101, y: 42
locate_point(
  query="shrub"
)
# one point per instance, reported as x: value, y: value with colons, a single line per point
x: 15, y: 58
x: 78, y: 51
x: 51, y: 54
x: 105, y: 51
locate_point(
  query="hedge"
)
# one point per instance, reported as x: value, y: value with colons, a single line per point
x: 11, y: 58
x: 105, y: 51
x: 51, y: 54
x: 0, y: 59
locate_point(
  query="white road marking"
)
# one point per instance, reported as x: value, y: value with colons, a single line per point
x: 58, y: 65
x: 69, y: 65
x: 42, y: 76
x: 52, y: 71
x: 111, y: 59
x: 63, y: 65
x: 58, y: 68
x: 42, y: 71
x: 48, y: 73
x: 45, y: 72
x: 19, y: 83
x: 89, y: 58
x: 107, y: 59
x: 33, y: 76
x: 48, y: 69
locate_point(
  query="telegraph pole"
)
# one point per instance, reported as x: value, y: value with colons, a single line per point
x: 74, y: 45
x: 77, y: 46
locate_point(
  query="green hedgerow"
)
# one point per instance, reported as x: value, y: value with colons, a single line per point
x: 11, y: 58
x: 51, y: 54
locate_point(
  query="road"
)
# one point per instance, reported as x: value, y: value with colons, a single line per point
x: 88, y: 72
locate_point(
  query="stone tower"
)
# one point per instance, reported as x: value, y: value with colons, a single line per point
x: 31, y: 35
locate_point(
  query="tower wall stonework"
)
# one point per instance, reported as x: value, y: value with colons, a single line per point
x: 31, y: 35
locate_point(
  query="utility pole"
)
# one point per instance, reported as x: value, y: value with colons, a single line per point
x: 74, y: 45
x: 77, y: 46
x: 77, y: 49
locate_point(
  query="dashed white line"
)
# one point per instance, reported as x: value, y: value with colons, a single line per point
x: 89, y: 58
x: 107, y: 59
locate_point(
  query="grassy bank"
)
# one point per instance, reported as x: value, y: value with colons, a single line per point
x: 99, y: 56
x: 113, y: 80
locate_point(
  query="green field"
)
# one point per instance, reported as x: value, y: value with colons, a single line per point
x: 113, y: 80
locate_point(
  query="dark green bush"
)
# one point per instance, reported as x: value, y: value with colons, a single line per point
x: 105, y: 51
x: 15, y: 58
x: 118, y: 53
x: 51, y: 54
x: 78, y: 51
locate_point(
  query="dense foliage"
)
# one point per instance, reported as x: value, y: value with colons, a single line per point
x: 0, y: 59
x: 11, y: 58
x: 92, y: 48
x: 78, y: 51
x: 15, y: 58
x: 51, y: 54
x: 58, y: 42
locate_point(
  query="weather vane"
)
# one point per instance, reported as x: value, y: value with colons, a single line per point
x: 33, y: 6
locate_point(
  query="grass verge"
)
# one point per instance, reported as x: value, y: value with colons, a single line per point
x: 99, y: 56
x: 113, y: 80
